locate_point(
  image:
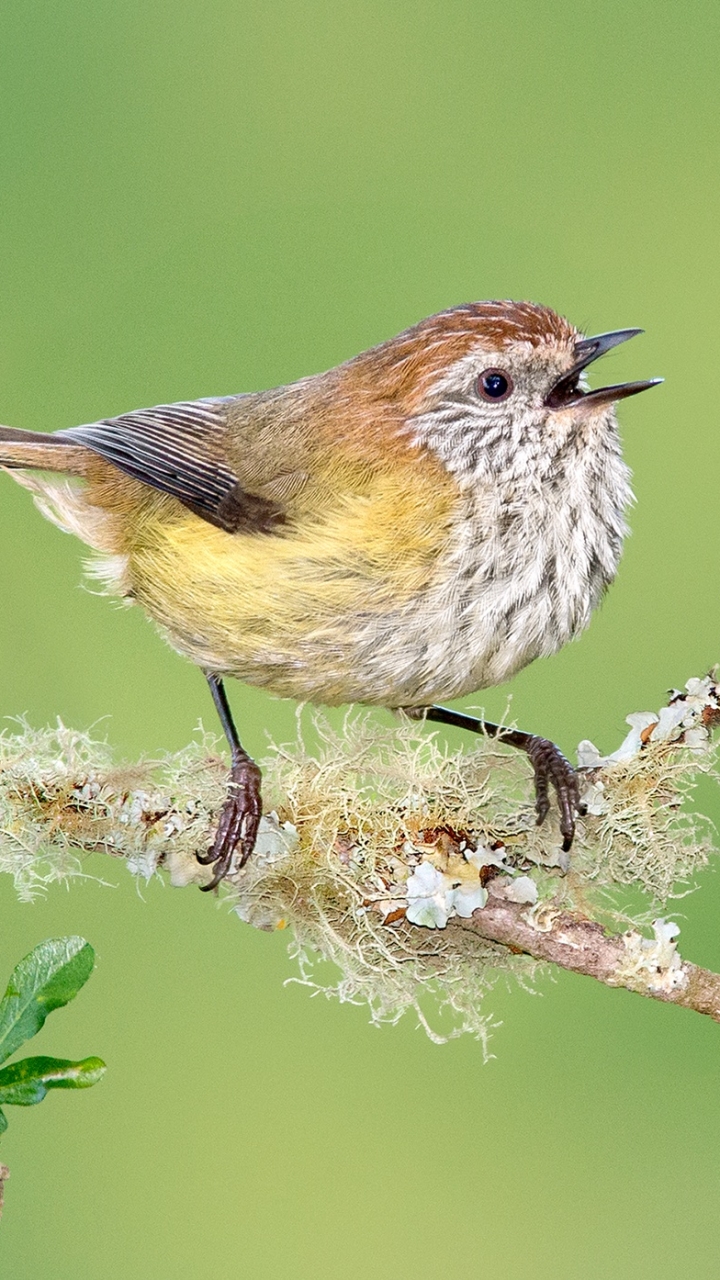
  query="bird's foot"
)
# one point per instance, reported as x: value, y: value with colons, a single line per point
x: 238, y: 823
x: 551, y: 767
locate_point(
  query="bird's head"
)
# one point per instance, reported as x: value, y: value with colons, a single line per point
x: 495, y: 388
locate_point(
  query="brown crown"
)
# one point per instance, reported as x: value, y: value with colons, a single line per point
x: 388, y: 383
x: 402, y: 367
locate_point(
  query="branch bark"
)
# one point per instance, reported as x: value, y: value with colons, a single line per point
x: 388, y: 851
x: 581, y: 945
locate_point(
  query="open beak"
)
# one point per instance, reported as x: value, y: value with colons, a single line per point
x: 566, y: 393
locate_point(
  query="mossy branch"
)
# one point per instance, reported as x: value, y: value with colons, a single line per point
x: 417, y: 871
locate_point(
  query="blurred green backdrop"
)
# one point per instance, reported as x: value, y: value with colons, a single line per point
x: 216, y: 197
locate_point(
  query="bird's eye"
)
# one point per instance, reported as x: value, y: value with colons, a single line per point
x: 494, y: 385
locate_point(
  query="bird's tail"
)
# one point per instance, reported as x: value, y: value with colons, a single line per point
x: 37, y: 452
x: 54, y: 468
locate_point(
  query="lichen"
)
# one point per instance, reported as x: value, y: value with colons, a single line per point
x: 375, y: 838
x: 653, y: 963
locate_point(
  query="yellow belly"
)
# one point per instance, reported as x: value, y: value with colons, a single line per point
x: 310, y: 612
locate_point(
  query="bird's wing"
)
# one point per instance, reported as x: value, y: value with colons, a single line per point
x: 181, y: 449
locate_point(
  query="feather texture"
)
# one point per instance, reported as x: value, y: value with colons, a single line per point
x: 181, y: 449
x: 377, y: 533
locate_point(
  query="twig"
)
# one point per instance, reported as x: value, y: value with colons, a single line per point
x: 412, y: 869
x: 583, y: 946
x: 4, y: 1175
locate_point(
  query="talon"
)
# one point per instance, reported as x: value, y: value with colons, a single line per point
x: 238, y: 822
x: 548, y: 762
x: 550, y: 766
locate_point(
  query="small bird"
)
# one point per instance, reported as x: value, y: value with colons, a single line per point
x: 418, y: 523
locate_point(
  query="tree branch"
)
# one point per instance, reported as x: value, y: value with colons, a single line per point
x: 416, y: 871
x: 649, y: 968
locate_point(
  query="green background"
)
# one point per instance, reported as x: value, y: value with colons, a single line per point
x: 205, y: 198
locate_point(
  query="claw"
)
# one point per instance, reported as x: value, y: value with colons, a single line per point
x: 550, y: 766
x: 238, y: 823
x: 548, y: 762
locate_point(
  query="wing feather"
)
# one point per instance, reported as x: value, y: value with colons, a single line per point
x: 180, y: 449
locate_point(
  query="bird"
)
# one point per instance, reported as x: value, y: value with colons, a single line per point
x: 418, y: 523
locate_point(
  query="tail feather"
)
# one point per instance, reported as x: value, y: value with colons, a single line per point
x: 63, y: 497
x: 40, y: 452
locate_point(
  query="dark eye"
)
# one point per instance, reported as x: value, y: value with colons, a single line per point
x: 494, y: 385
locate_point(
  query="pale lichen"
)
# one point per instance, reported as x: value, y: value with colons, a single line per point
x: 375, y: 839
x: 652, y: 962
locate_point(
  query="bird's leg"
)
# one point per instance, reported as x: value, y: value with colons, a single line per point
x: 548, y: 762
x: 240, y: 815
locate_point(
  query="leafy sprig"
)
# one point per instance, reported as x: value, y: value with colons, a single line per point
x: 46, y: 979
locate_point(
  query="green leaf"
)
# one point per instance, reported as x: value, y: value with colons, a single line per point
x: 50, y: 976
x: 24, y: 1083
x: 3, y: 1122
